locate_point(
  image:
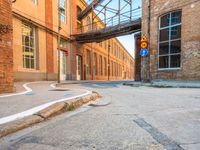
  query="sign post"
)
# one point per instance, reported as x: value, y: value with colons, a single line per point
x: 144, y: 53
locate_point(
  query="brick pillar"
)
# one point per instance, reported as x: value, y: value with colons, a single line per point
x: 137, y: 58
x: 6, y: 51
x: 49, y: 38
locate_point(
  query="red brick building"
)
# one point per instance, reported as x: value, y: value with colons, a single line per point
x: 6, y: 52
x: 173, y: 30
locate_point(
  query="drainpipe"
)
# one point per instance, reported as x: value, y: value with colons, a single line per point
x: 149, y: 37
x: 70, y: 41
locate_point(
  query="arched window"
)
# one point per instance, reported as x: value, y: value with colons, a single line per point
x: 170, y: 41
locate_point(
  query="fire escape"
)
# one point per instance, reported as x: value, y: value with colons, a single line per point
x: 123, y: 20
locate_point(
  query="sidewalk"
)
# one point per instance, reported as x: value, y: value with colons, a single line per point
x: 38, y: 102
x: 42, y: 93
x: 96, y: 81
x: 167, y: 84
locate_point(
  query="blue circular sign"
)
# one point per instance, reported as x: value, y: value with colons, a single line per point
x: 144, y: 52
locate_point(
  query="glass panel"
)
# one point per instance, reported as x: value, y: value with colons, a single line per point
x: 176, y: 32
x: 32, y: 63
x: 26, y: 40
x: 164, y: 35
x: 62, y: 17
x: 175, y: 18
x: 175, y: 47
x: 27, y: 62
x: 26, y: 30
x: 164, y: 48
x: 164, y: 21
x: 26, y: 49
x: 62, y: 3
x: 175, y: 61
x: 63, y: 43
x: 163, y: 62
x: 32, y: 44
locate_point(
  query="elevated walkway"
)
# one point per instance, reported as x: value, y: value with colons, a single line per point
x: 121, y: 29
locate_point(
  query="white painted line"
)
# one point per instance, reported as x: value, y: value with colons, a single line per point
x: 27, y: 90
x: 21, y: 93
x: 37, y: 109
x: 53, y: 85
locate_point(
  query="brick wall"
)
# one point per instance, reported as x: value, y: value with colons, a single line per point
x: 6, y: 51
x: 190, y: 37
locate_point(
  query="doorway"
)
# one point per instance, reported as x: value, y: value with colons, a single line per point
x: 63, y: 65
x: 79, y: 67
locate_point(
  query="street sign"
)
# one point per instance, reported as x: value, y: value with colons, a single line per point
x: 144, y: 38
x: 144, y: 52
x: 144, y: 44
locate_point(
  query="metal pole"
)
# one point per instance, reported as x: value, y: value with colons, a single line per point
x: 108, y: 60
x: 58, y: 44
x: 105, y: 17
x: 91, y: 43
x: 71, y: 48
x: 130, y: 9
x: 119, y: 10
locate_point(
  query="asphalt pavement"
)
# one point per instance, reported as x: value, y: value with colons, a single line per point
x: 126, y: 118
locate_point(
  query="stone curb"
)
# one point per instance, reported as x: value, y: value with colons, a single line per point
x: 45, y: 114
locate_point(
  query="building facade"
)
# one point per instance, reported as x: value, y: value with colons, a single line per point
x: 35, y: 43
x: 172, y: 28
x: 35, y: 34
x: 6, y: 52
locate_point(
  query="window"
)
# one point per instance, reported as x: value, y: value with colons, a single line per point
x: 78, y: 11
x: 29, y: 48
x: 105, y: 45
x: 105, y: 66
x: 88, y: 23
x: 170, y: 41
x: 95, y: 64
x: 34, y: 1
x: 63, y: 44
x: 62, y: 10
x: 88, y: 62
x: 100, y: 66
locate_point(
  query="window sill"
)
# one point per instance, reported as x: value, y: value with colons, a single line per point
x: 170, y: 69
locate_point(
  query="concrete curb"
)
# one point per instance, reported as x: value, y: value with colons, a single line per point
x: 160, y: 85
x: 45, y: 114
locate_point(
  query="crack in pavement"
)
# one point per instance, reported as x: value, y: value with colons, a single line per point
x: 161, y: 138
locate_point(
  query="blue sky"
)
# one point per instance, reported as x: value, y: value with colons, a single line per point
x: 127, y: 41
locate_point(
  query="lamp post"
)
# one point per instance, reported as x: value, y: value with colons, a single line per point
x: 109, y: 61
x: 58, y: 44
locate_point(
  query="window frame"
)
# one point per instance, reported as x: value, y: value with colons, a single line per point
x: 63, y: 14
x: 34, y: 48
x: 170, y: 40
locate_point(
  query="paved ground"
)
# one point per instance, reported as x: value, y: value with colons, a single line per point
x: 41, y: 94
x: 126, y: 118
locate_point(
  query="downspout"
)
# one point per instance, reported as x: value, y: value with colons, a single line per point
x: 70, y: 41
